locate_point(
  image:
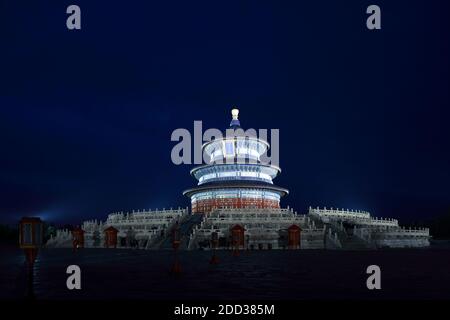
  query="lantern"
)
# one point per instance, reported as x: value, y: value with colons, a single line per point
x: 214, y: 239
x: 78, y: 238
x: 247, y: 240
x: 214, y: 243
x: 237, y: 238
x: 176, y: 239
x: 31, y: 230
x: 176, y: 236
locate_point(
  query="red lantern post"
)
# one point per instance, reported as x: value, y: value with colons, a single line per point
x: 78, y: 238
x: 31, y: 230
x: 176, y: 240
x: 237, y: 238
x: 214, y: 244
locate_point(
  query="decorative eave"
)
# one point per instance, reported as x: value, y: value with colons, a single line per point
x: 192, y: 172
x: 236, y: 184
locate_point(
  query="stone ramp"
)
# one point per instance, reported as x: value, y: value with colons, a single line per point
x: 186, y: 226
x: 354, y: 243
x: 347, y: 239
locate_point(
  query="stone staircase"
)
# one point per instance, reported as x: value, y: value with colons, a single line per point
x: 186, y: 226
x: 351, y: 242
x: 348, y: 240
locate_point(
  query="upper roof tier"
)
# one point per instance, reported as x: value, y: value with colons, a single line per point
x: 236, y: 171
x: 236, y: 146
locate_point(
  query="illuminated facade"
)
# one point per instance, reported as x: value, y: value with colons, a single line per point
x: 235, y: 176
x: 235, y: 191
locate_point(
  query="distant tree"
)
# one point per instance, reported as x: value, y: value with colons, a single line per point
x: 49, y: 231
x: 8, y: 234
x: 439, y: 226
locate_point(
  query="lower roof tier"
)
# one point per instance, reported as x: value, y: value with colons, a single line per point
x: 237, y: 186
x: 235, y: 171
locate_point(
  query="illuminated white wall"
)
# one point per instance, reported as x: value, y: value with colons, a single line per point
x: 236, y: 193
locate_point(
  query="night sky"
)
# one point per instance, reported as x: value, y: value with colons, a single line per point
x: 86, y: 116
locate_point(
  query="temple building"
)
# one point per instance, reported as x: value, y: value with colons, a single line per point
x: 235, y: 176
x: 236, y: 203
